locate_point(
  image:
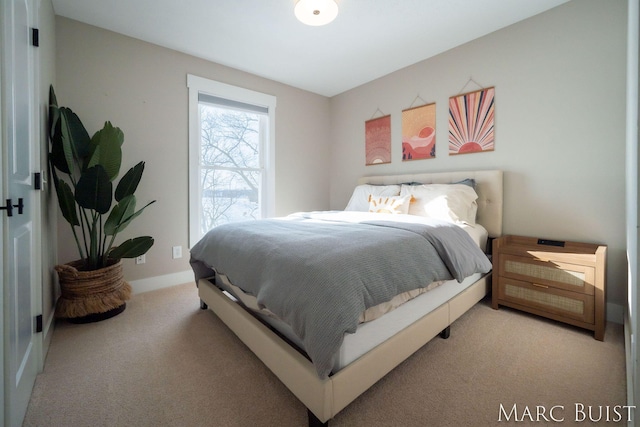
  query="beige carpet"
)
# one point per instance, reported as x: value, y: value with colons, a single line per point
x: 165, y: 362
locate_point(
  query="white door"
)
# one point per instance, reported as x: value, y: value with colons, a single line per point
x: 21, y: 261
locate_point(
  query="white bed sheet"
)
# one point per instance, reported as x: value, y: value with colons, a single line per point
x: 356, y: 217
x: 477, y: 232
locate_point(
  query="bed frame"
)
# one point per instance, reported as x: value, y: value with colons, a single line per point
x: 324, y: 398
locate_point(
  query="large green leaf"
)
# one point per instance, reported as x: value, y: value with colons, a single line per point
x: 129, y: 182
x: 106, y: 150
x: 132, y: 248
x: 75, y: 139
x: 119, y: 214
x: 94, y: 190
x: 67, y: 202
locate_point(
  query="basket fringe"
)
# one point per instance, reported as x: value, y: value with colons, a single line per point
x: 79, y: 307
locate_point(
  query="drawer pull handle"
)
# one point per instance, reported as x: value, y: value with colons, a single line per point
x: 540, y: 286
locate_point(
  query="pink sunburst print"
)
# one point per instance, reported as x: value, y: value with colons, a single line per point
x: 471, y: 122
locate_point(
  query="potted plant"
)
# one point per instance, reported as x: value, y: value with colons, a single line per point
x: 83, y: 170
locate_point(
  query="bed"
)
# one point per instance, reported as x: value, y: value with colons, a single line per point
x: 374, y: 347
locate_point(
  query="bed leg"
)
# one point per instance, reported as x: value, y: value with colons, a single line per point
x: 203, y: 305
x: 446, y: 333
x: 314, y: 421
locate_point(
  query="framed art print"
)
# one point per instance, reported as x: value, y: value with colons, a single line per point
x: 471, y: 122
x: 378, y: 140
x: 419, y: 133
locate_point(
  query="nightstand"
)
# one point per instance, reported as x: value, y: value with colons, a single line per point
x: 563, y: 281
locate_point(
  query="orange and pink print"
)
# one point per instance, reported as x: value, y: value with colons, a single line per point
x: 471, y: 122
x: 419, y: 133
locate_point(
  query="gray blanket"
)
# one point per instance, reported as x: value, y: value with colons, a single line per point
x: 318, y: 276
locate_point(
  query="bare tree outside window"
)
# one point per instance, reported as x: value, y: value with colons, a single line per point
x: 231, y: 155
x: 230, y: 165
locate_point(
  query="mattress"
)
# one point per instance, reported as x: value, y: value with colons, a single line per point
x: 373, y: 333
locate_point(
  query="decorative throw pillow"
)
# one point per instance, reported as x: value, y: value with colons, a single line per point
x: 360, y: 198
x: 389, y: 204
x: 447, y: 202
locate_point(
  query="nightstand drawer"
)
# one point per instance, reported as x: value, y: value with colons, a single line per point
x: 538, y: 296
x: 560, y: 275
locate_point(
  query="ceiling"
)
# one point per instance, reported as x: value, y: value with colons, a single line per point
x: 368, y: 39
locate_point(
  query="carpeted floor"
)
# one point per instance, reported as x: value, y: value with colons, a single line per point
x: 165, y: 362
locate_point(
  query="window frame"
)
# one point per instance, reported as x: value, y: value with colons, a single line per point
x: 197, y: 85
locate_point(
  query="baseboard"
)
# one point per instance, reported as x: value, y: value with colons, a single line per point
x: 161, y: 282
x: 615, y: 313
x: 47, y: 334
x: 48, y: 327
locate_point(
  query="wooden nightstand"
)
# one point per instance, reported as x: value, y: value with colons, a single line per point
x: 564, y: 281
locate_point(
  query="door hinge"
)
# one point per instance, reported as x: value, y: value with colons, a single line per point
x: 35, y: 37
x: 39, y: 323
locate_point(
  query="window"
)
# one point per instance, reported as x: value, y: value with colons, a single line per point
x: 231, y: 133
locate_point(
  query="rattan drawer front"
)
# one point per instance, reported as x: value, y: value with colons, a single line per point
x: 567, y: 304
x: 577, y: 278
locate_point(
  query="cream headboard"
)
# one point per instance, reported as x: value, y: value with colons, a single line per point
x: 488, y: 187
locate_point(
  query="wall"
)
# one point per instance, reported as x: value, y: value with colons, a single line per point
x: 560, y: 124
x: 142, y: 89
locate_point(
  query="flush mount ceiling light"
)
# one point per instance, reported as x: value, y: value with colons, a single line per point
x: 316, y: 12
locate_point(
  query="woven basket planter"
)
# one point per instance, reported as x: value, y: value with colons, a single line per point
x: 88, y: 294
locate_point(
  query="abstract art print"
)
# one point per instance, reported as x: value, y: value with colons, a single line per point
x: 471, y: 122
x: 419, y: 133
x: 378, y: 140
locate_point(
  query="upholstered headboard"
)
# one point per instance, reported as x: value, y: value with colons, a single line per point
x: 488, y: 187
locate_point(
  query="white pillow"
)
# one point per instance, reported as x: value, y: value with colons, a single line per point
x: 447, y: 202
x: 389, y: 204
x: 360, y: 198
